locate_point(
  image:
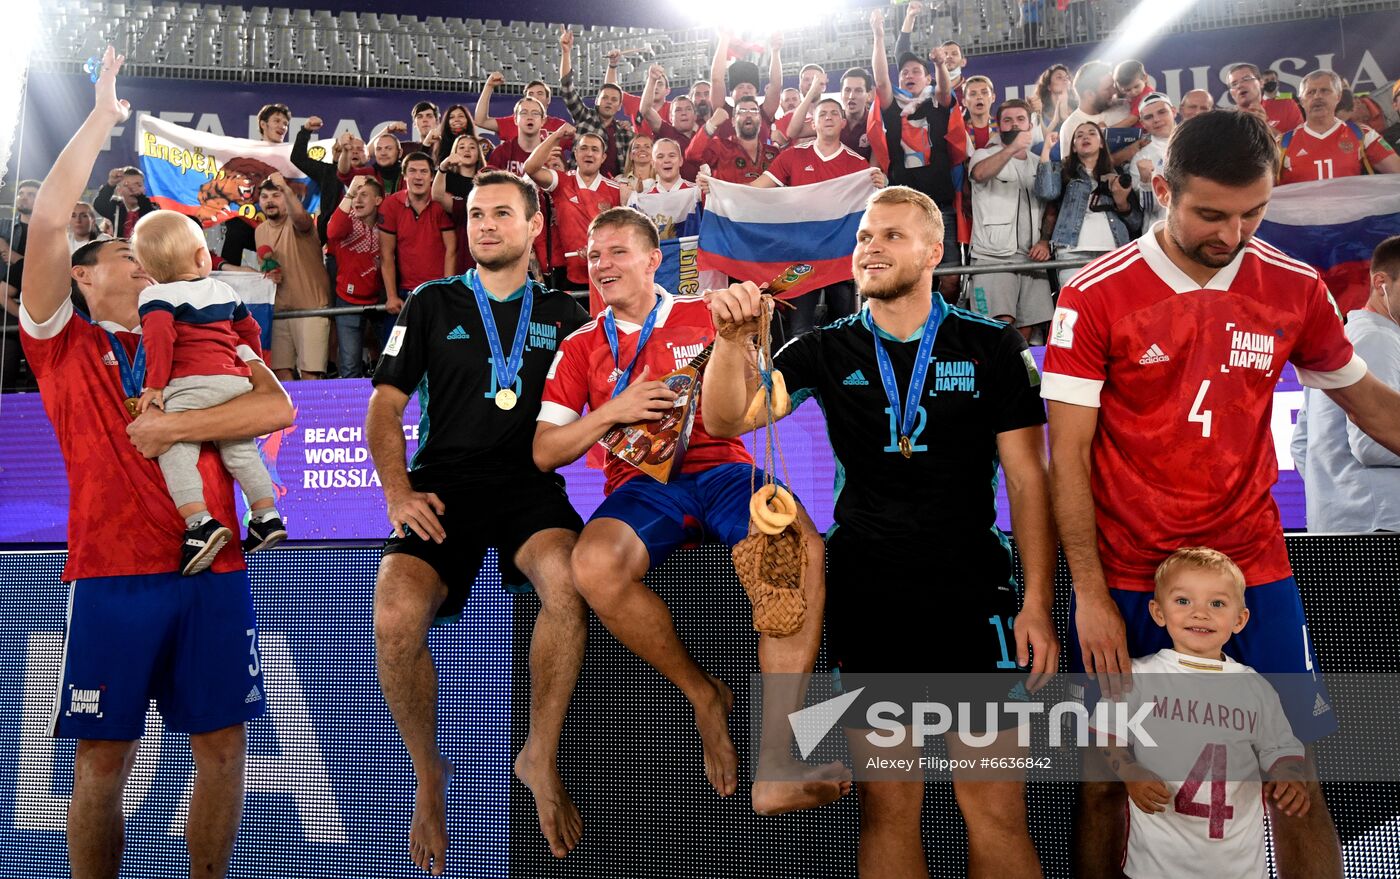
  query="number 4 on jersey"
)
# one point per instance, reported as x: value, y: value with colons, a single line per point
x: 1202, y: 416
x: 1210, y: 763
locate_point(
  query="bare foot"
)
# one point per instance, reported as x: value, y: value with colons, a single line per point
x: 712, y: 719
x: 559, y: 818
x: 800, y: 786
x: 427, y: 837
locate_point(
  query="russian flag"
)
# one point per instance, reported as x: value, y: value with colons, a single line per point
x: 754, y: 234
x: 675, y: 213
x: 1333, y: 226
x: 257, y: 294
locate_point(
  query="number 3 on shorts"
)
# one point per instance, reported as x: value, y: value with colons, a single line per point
x: 256, y: 665
x: 1197, y: 413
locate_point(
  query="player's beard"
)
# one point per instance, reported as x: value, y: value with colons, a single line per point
x: 504, y: 258
x: 904, y: 281
x: 1196, y: 251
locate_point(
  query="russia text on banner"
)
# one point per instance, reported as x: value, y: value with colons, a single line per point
x: 212, y: 177
x: 1333, y: 225
x: 753, y: 234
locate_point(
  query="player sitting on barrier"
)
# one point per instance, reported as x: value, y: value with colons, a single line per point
x: 611, y: 366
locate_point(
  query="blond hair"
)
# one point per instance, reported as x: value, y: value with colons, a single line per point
x: 897, y: 195
x: 1199, y: 558
x: 165, y: 243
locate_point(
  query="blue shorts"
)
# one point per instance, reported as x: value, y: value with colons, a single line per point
x: 190, y: 643
x: 711, y: 504
x: 1274, y: 642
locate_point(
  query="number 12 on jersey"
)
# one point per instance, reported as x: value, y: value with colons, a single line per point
x: 918, y: 429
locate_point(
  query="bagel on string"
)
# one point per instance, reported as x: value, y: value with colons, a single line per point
x: 772, y: 509
x: 758, y: 408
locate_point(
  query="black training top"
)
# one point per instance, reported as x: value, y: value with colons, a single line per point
x: 981, y: 382
x: 439, y: 349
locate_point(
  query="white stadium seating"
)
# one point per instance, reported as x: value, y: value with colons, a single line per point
x: 260, y: 43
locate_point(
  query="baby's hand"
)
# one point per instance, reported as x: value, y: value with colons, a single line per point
x: 1148, y: 792
x: 151, y: 397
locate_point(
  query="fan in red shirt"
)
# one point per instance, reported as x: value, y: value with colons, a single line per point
x: 610, y: 368
x: 1247, y: 89
x: 135, y: 626
x: 1325, y: 147
x: 825, y: 158
x: 1160, y: 371
x: 653, y: 98
x: 352, y: 240
x: 735, y: 153
x: 507, y: 128
x: 578, y: 196
x: 678, y: 123
x: 417, y: 241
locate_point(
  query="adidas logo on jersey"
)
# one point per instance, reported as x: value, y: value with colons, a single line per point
x: 254, y: 695
x: 109, y: 359
x: 1302, y: 151
x: 1320, y: 707
x: 458, y: 333
x: 855, y: 379
x: 1153, y: 355
x: 810, y: 168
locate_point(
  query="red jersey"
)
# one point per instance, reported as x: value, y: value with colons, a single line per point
x: 981, y: 136
x: 355, y: 246
x: 1283, y: 113
x: 509, y: 156
x: 583, y: 374
x: 575, y: 206
x: 419, y: 251
x: 196, y: 328
x: 632, y: 108
x: 728, y: 160
x: 806, y: 164
x: 121, y: 520
x: 508, y: 130
x: 1183, y: 378
x: 1335, y: 153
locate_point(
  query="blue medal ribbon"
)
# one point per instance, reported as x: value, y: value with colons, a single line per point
x: 506, y: 369
x: 133, y: 370
x: 610, y: 330
x: 907, y: 415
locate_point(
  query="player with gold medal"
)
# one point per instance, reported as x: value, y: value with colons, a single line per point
x: 472, y: 485
x: 919, y: 577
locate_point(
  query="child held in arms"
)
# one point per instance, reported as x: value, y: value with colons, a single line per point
x: 197, y: 336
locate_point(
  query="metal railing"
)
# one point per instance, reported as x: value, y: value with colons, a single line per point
x: 582, y: 295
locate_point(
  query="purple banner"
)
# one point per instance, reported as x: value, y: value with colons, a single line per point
x: 328, y: 490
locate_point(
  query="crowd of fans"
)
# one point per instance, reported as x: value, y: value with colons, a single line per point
x: 1065, y: 173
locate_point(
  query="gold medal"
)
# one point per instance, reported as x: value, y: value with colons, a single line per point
x: 133, y: 404
x: 905, y: 447
x: 505, y: 399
